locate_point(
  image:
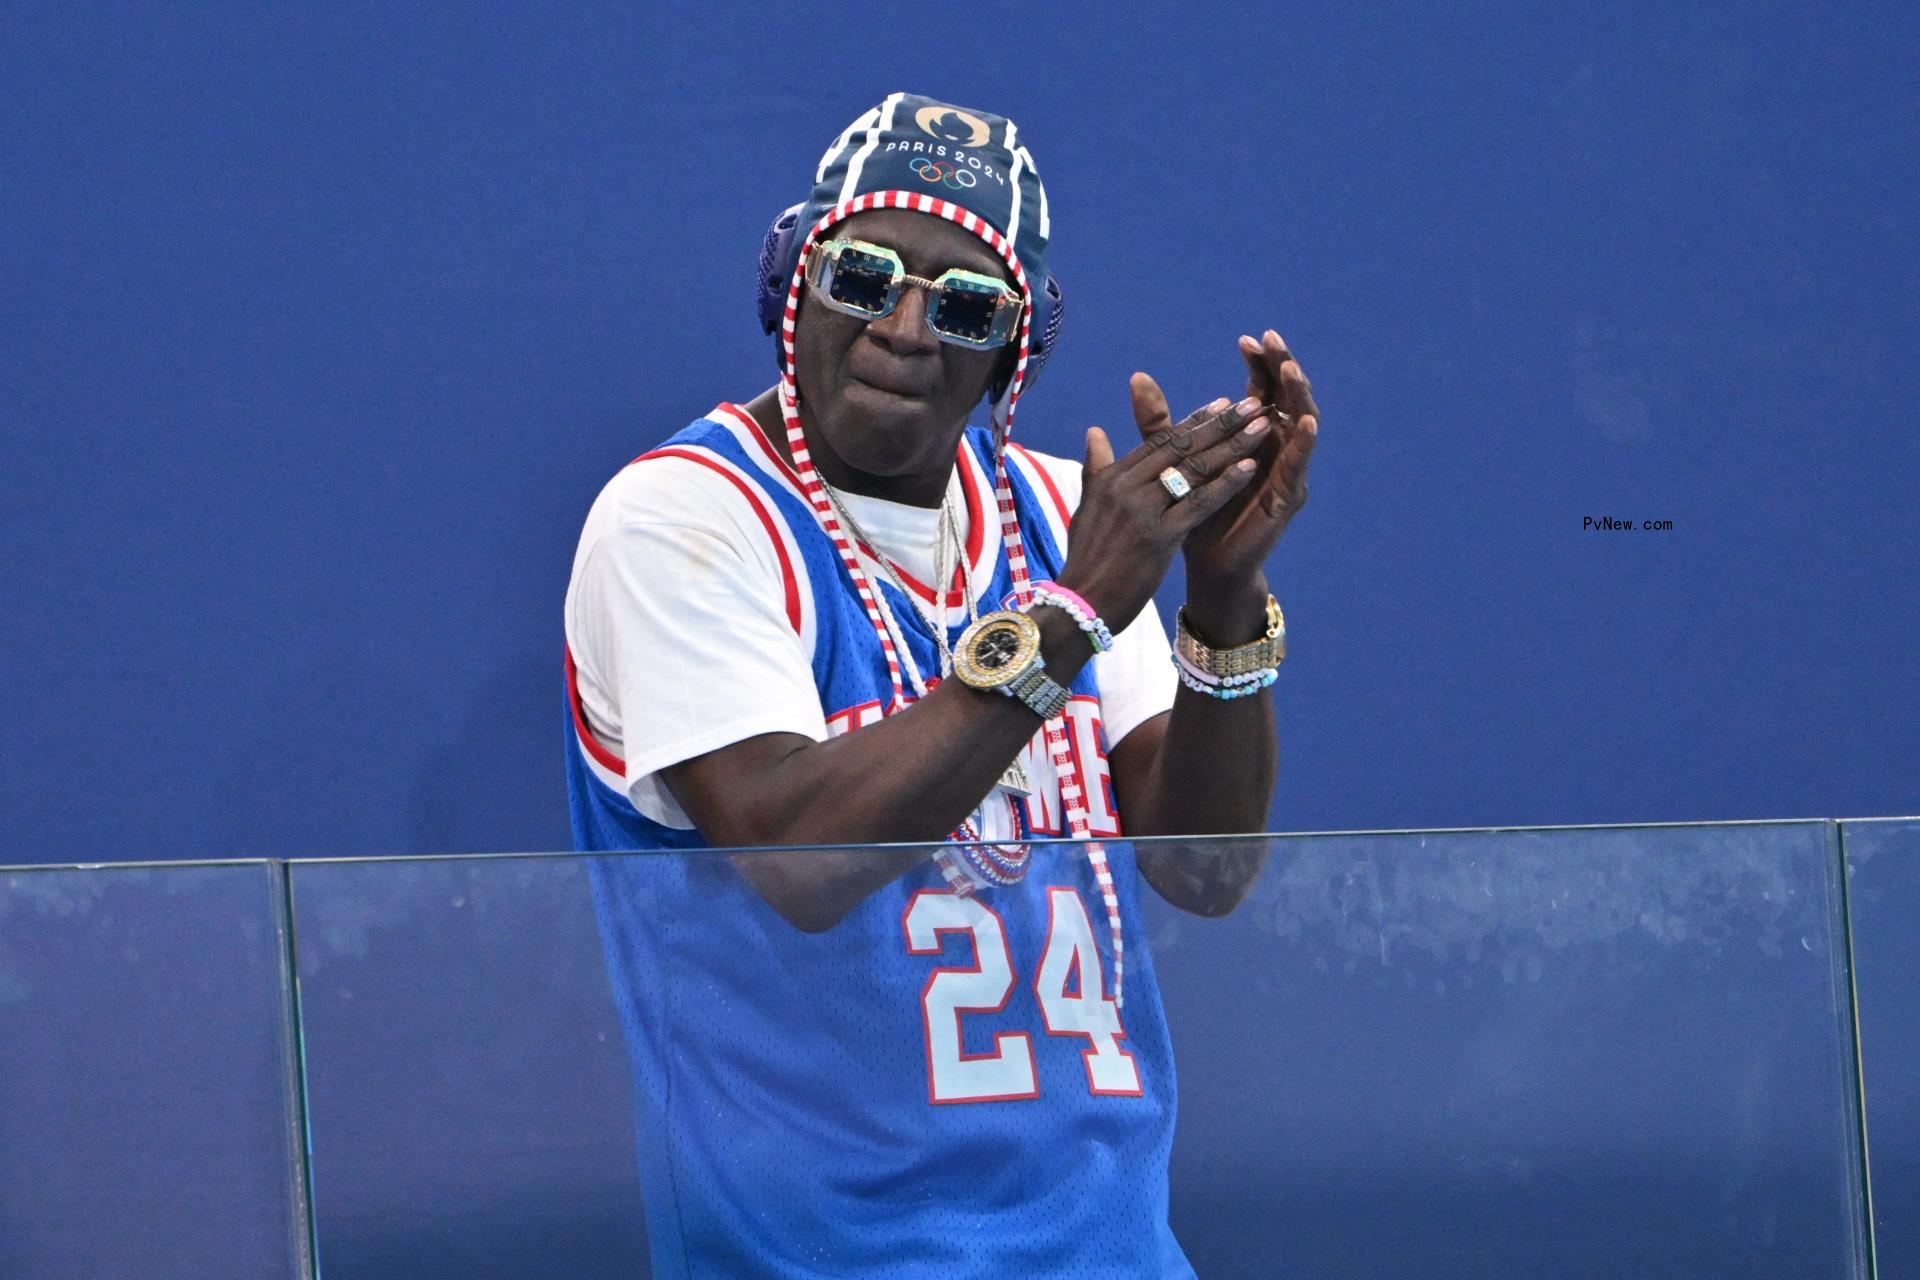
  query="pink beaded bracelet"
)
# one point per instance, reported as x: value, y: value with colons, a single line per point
x: 1071, y: 604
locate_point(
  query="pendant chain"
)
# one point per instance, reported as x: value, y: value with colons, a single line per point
x: 949, y: 547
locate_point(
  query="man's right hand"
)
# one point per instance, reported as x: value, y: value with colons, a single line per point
x: 1128, y: 526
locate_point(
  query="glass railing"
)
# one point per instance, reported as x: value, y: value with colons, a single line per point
x: 467, y: 1082
x: 149, y: 1100
x: 1883, y: 878
x: 1575, y: 1053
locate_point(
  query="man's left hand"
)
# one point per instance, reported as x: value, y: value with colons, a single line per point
x: 1230, y: 546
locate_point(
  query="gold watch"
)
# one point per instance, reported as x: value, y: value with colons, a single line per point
x: 1241, y: 660
x: 1001, y: 652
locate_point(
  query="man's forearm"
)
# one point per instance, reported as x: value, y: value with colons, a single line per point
x: 1212, y: 775
x: 1212, y: 772
x: 913, y: 776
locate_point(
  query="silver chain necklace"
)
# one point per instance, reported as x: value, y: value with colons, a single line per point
x: 1014, y: 776
x: 947, y: 545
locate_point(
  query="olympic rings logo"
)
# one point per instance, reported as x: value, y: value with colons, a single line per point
x: 951, y: 175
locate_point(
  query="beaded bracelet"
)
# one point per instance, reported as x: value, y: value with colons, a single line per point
x: 1078, y: 609
x: 1224, y: 687
x: 1193, y: 670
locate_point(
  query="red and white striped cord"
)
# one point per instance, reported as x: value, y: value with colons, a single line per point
x: 1073, y: 798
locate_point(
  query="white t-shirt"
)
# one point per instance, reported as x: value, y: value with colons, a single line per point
x: 679, y: 623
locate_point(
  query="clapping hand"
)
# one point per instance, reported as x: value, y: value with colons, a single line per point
x: 1137, y: 511
x: 1229, y: 547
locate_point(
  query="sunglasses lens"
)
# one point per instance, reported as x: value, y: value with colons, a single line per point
x: 862, y: 281
x: 965, y: 310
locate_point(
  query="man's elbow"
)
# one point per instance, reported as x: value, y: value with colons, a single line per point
x: 1217, y: 902
x: 795, y: 898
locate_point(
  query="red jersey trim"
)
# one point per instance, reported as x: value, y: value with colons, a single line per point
x: 970, y: 486
x: 606, y: 758
x: 787, y: 577
x: 745, y: 421
x: 1035, y: 466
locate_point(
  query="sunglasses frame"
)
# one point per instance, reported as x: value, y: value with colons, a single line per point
x: 1008, y: 306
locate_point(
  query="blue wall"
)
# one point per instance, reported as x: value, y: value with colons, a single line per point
x: 320, y: 328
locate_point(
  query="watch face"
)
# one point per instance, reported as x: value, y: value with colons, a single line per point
x: 996, y: 648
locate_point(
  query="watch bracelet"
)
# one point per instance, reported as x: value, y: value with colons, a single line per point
x: 1258, y: 655
x: 1039, y: 692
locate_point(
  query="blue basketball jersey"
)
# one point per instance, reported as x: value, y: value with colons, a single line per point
x: 938, y: 1086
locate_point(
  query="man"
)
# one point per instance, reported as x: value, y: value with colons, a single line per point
x: 837, y: 615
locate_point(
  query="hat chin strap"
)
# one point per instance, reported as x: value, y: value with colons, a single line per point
x: 1000, y: 413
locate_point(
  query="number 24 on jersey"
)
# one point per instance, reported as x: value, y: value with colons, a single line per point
x: 1070, y: 988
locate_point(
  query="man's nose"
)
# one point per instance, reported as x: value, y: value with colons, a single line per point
x: 904, y: 329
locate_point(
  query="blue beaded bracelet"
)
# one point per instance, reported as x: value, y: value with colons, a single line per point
x: 1227, y: 687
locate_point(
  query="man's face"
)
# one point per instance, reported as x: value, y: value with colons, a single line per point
x: 886, y: 397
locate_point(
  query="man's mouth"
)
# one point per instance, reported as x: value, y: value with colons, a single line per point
x: 902, y: 390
